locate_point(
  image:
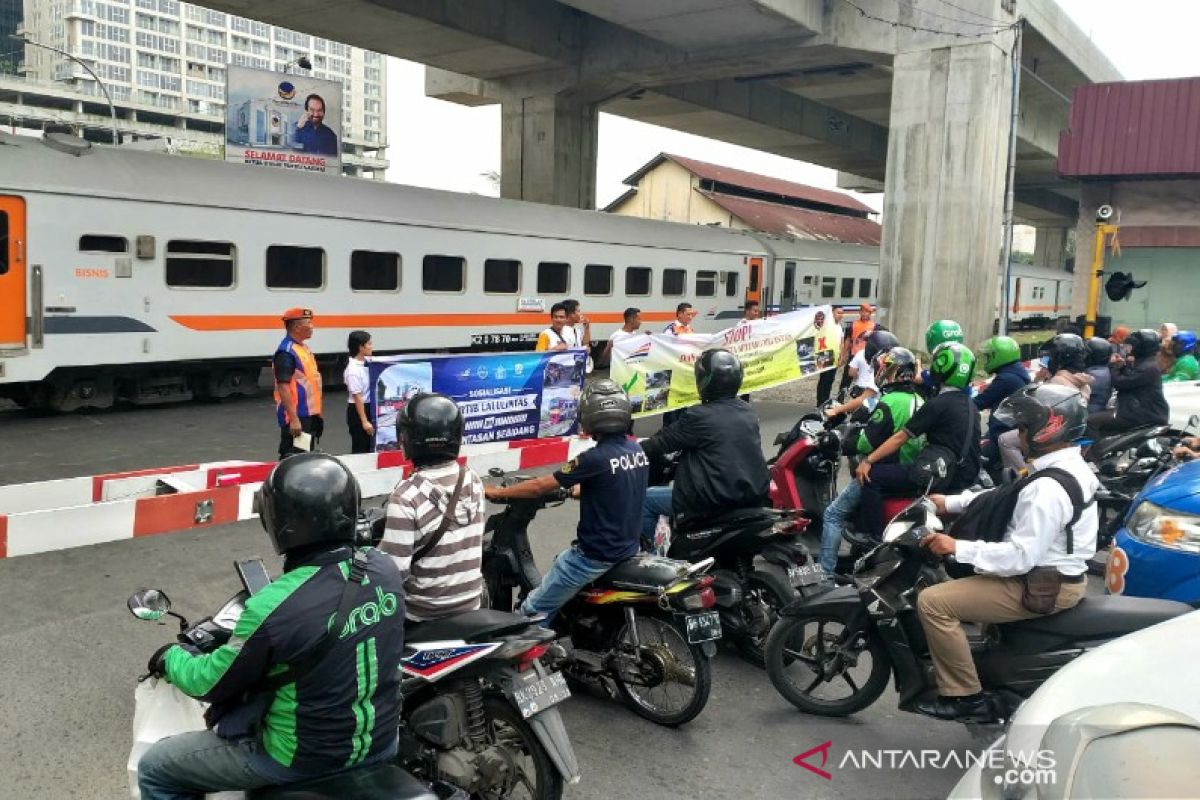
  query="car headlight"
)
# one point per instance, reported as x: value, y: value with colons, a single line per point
x: 1163, y: 527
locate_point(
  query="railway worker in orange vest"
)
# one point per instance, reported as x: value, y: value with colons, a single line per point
x: 297, y: 385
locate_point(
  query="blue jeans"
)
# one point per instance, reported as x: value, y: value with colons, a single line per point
x: 835, y: 523
x: 569, y: 573
x: 189, y: 765
x: 658, y: 503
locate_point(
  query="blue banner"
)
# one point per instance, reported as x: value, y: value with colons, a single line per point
x: 503, y: 396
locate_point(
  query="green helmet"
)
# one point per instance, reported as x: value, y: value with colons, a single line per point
x: 999, y: 351
x: 952, y: 364
x: 944, y: 330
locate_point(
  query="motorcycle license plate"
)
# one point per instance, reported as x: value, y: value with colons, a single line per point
x: 534, y: 695
x: 805, y: 575
x: 703, y: 627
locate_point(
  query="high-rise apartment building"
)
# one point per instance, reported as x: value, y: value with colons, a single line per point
x: 164, y: 64
x: 10, y: 20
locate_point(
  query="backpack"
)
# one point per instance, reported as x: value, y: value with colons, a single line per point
x: 987, y: 517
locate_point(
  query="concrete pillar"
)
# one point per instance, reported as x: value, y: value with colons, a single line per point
x: 1050, y: 248
x: 548, y: 149
x: 944, y: 190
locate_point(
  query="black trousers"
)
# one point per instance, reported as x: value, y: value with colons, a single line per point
x: 313, y: 425
x: 1105, y: 423
x: 825, y: 385
x: 887, y: 480
x: 360, y: 440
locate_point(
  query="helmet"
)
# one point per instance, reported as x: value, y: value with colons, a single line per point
x: 877, y: 342
x: 1183, y: 343
x: 1143, y: 343
x: 1099, y: 351
x: 1051, y: 414
x: 952, y: 364
x: 308, y: 499
x: 944, y: 330
x: 1000, y: 351
x: 897, y: 365
x: 1066, y: 351
x: 718, y: 375
x: 430, y: 429
x: 604, y: 408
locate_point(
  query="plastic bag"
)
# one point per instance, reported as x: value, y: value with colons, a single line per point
x: 662, y: 536
x: 159, y: 710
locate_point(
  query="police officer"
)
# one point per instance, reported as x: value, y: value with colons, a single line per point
x: 297, y: 383
x: 341, y: 711
x: 612, y: 479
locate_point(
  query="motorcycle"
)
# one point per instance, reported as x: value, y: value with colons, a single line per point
x: 643, y: 632
x: 831, y: 654
x: 478, y: 718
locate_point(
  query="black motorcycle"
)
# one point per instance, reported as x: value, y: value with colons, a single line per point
x: 643, y: 632
x: 832, y: 654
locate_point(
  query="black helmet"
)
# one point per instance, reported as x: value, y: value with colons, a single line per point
x: 604, y: 408
x: 1051, y: 414
x: 1143, y: 343
x: 430, y: 429
x: 718, y: 375
x: 308, y: 499
x: 878, y: 342
x: 1066, y: 351
x: 1099, y: 351
x: 895, y: 366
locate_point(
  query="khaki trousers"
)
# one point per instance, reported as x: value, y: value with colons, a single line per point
x: 980, y: 598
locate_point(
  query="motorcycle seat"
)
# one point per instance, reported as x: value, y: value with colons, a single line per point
x: 730, y: 519
x: 1122, y: 441
x: 473, y: 626
x: 383, y: 781
x: 642, y: 572
x: 1103, y: 616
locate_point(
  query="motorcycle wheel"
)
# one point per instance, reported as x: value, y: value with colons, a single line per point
x: 681, y: 674
x: 775, y: 593
x: 809, y: 656
x: 538, y: 778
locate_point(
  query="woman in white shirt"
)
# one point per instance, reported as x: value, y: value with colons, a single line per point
x: 358, y: 393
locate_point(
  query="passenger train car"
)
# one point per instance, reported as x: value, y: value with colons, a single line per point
x: 126, y: 274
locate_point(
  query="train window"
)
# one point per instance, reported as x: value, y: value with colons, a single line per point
x: 597, y: 279
x: 864, y: 287
x: 501, y: 276
x: 637, y: 281
x: 808, y: 280
x: 200, y: 265
x: 706, y: 283
x: 731, y: 284
x: 100, y: 243
x: 847, y: 287
x: 828, y: 286
x: 554, y: 277
x: 372, y: 271
x: 674, y: 282
x: 3, y: 243
x: 443, y: 273
x: 291, y: 267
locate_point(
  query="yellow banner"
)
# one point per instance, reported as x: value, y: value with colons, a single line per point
x: 657, y: 370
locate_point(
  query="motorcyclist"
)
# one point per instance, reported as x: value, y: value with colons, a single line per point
x: 339, y: 712
x: 950, y: 424
x: 611, y: 479
x: 1066, y: 365
x: 721, y: 465
x: 1034, y: 555
x: 1100, y: 352
x: 865, y: 392
x: 1001, y: 360
x: 1138, y: 384
x: 895, y: 370
x: 939, y: 332
x: 446, y: 579
x: 1183, y: 348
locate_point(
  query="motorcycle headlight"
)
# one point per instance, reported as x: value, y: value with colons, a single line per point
x: 1163, y: 527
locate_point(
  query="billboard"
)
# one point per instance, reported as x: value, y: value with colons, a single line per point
x: 283, y: 121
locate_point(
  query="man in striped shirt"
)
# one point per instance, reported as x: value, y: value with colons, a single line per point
x: 442, y: 574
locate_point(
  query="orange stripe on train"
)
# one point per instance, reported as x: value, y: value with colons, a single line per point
x: 263, y: 322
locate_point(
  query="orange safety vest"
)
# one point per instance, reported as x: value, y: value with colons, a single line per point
x: 858, y: 333
x: 305, y: 385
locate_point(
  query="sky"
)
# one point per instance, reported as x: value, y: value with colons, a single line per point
x: 447, y: 146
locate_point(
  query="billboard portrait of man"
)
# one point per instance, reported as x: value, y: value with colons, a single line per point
x: 311, y: 132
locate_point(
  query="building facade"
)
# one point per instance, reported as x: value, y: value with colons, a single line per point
x: 10, y: 20
x: 164, y: 64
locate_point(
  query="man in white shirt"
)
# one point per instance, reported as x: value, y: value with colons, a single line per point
x: 866, y: 393
x: 358, y: 392
x: 633, y: 322
x: 1045, y: 547
x: 560, y: 335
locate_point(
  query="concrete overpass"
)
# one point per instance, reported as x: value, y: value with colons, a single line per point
x: 910, y: 95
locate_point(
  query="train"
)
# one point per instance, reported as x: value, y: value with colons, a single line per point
x: 133, y: 276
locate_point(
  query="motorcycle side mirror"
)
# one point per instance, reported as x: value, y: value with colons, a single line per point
x: 1193, y: 422
x: 496, y: 472
x: 149, y: 604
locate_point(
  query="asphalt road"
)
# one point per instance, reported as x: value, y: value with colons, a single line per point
x: 70, y: 651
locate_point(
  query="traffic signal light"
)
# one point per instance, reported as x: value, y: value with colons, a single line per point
x: 1120, y: 286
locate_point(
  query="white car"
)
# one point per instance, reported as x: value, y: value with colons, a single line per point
x: 1121, y: 721
x: 1184, y: 399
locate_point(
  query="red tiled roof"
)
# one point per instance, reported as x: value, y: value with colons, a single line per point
x: 754, y: 182
x: 799, y: 222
